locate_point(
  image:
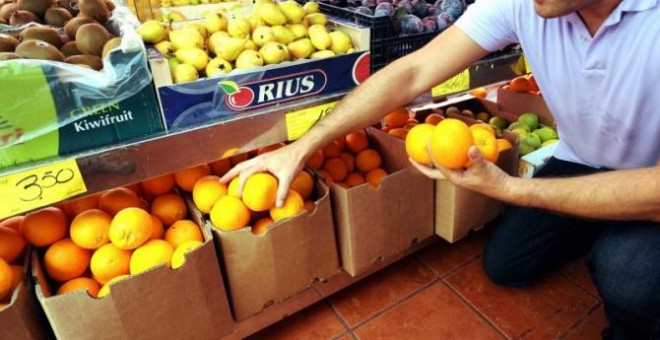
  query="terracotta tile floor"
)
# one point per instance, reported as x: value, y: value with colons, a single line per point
x: 441, y: 292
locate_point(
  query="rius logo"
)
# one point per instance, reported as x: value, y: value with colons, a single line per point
x: 265, y: 92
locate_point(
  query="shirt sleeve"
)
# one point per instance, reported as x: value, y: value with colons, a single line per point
x: 491, y: 23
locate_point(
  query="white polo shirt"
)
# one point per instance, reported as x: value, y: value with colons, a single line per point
x: 604, y: 91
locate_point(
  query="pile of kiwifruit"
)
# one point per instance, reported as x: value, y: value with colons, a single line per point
x: 70, y: 31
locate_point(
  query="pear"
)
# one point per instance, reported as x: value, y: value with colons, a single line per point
x: 319, y: 36
x: 199, y: 27
x: 249, y: 59
x: 271, y: 14
x: 283, y: 35
x: 184, y: 73
x: 340, y: 42
x: 218, y: 66
x: 165, y: 48
x: 301, y: 48
x: 311, y: 7
x: 152, y: 31
x: 351, y: 50
x: 238, y: 27
x: 293, y: 12
x: 316, y: 19
x: 186, y: 38
x: 176, y: 16
x: 227, y: 48
x: 193, y: 56
x: 299, y: 31
x: 255, y: 21
x: 262, y: 35
x: 273, y: 52
x: 172, y: 62
x: 287, y: 54
x: 215, y: 22
x: 250, y: 45
x: 322, y: 54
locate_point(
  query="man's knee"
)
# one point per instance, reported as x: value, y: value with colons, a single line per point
x: 502, y: 270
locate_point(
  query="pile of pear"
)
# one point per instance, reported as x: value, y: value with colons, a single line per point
x: 172, y: 3
x: 224, y: 42
x: 74, y: 34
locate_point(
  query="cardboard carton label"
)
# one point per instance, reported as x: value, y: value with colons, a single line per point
x: 457, y: 83
x: 299, y: 122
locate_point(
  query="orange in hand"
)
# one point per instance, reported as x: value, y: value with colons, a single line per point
x: 450, y: 142
x: 487, y: 145
x: 417, y: 143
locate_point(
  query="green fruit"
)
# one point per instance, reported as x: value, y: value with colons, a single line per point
x: 529, y: 119
x: 519, y: 125
x: 549, y: 141
x: 532, y: 140
x: 498, y: 122
x: 546, y: 133
x: 524, y: 149
x: 520, y: 132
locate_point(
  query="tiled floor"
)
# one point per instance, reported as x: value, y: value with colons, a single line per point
x: 441, y: 292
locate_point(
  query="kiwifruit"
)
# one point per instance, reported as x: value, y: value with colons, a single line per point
x: 110, y: 5
x: 71, y: 27
x: 95, y: 9
x: 38, y: 7
x: 21, y: 17
x: 47, y: 34
x: 57, y: 16
x: 7, y: 43
x: 69, y: 5
x: 6, y: 10
x: 9, y: 56
x: 70, y: 48
x: 91, y: 38
x: 37, y: 49
x: 110, y: 45
x: 92, y: 61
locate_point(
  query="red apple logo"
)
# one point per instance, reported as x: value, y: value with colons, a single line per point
x: 236, y: 96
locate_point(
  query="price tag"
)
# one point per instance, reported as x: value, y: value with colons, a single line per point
x: 528, y: 69
x: 458, y: 83
x: 299, y: 122
x: 35, y: 188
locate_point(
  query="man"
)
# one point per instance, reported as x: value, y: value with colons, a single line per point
x: 597, y: 63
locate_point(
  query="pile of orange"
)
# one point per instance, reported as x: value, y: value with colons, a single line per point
x: 523, y: 84
x: 12, y: 251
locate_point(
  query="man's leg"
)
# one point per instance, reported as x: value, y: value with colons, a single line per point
x: 625, y: 266
x: 527, y: 243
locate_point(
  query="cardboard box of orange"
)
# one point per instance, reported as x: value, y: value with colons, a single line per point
x: 374, y: 224
x: 458, y: 210
x: 162, y: 303
x: 518, y: 103
x: 262, y: 270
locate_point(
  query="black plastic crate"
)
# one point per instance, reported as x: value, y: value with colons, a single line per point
x: 385, y: 51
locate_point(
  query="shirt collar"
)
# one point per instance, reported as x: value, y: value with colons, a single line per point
x: 615, y: 16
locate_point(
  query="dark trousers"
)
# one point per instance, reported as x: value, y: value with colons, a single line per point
x: 623, y: 257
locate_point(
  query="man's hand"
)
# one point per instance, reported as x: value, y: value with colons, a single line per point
x: 284, y: 163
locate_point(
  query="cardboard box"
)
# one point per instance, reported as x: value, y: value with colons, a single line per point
x: 518, y: 103
x: 132, y: 118
x: 185, y: 303
x: 267, y: 269
x: 375, y: 224
x: 261, y: 89
x: 23, y: 318
x: 531, y: 163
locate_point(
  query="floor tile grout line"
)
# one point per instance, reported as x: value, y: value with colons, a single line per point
x: 344, y: 323
x: 577, y: 284
x: 583, y: 319
x: 453, y: 270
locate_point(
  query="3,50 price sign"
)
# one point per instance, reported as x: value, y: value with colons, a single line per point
x: 35, y: 188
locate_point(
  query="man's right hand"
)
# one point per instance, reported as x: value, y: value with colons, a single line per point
x: 284, y: 163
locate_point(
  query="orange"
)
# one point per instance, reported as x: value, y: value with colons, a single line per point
x: 409, y: 126
x: 80, y: 283
x: 17, y: 275
x: 109, y: 262
x: 483, y: 116
x: 230, y: 213
x: 386, y: 128
x: 169, y: 208
x: 315, y: 161
x: 519, y: 84
x: 354, y: 179
x: 183, y: 231
x: 232, y: 189
x: 484, y: 126
x: 186, y: 178
x: 130, y: 228
x: 179, y: 254
x: 220, y: 167
x: 310, y: 206
x: 357, y: 141
x: 399, y: 133
x: 207, y: 191
x: 531, y: 83
x: 349, y: 160
x: 479, y: 92
x: 157, y: 230
x: 114, y: 200
x: 503, y: 144
x: 136, y: 188
x: 240, y: 158
x: 332, y: 150
x: 341, y: 143
x: 375, y: 176
x: 487, y: 144
x: 303, y: 184
x: 450, y: 142
x: 12, y: 244
x: 293, y: 204
x: 326, y: 177
x: 44, y: 227
x: 64, y: 260
x: 397, y: 118
x: 13, y: 223
x: 105, y: 290
x: 269, y: 148
x: 336, y: 168
x: 433, y: 119
x: 159, y: 185
x: 368, y: 160
x: 151, y: 254
x: 417, y: 143
x: 6, y: 279
x: 260, y: 227
x: 89, y: 230
x: 260, y: 191
x: 75, y: 207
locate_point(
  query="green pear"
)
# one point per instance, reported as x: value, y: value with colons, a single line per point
x: 498, y: 122
x: 301, y: 48
x: 282, y: 34
x: 271, y: 14
x: 238, y: 27
x: 293, y: 12
x: 152, y: 31
x: 227, y: 48
x: 165, y: 48
x: 218, y: 66
x: 249, y: 59
x: 322, y: 54
x: 172, y: 62
x: 519, y: 125
x: 319, y: 36
x: 546, y: 133
x: 317, y: 19
x: 184, y: 73
x: 299, y: 31
x: 273, y: 52
x: 193, y: 56
x: 529, y: 119
x: 340, y: 42
x: 532, y: 140
x: 549, y: 141
x: 311, y: 7
x: 215, y: 22
x: 262, y: 35
x: 186, y: 38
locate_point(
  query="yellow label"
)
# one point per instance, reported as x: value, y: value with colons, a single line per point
x: 528, y: 69
x: 299, y: 122
x: 40, y: 187
x: 457, y: 83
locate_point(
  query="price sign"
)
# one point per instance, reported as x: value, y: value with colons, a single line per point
x: 35, y: 188
x: 457, y: 83
x: 299, y: 122
x: 528, y: 69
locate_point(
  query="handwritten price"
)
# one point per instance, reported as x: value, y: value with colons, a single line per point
x: 33, y: 186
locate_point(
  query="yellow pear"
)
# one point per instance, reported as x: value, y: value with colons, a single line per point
x: 311, y: 7
x: 193, y: 56
x: 152, y: 31
x: 282, y: 34
x: 238, y: 27
x: 273, y: 52
x: 340, y: 42
x: 319, y: 36
x: 215, y: 22
x: 165, y: 48
x: 186, y: 38
x: 184, y: 73
x: 262, y: 35
x: 293, y: 12
x: 299, y: 30
x: 287, y: 54
x: 228, y: 48
x: 271, y: 14
x: 255, y: 21
x: 250, y: 45
x: 301, y: 48
x: 218, y: 66
x: 249, y: 59
x: 176, y: 16
x: 199, y: 27
x: 322, y: 54
x: 316, y: 19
